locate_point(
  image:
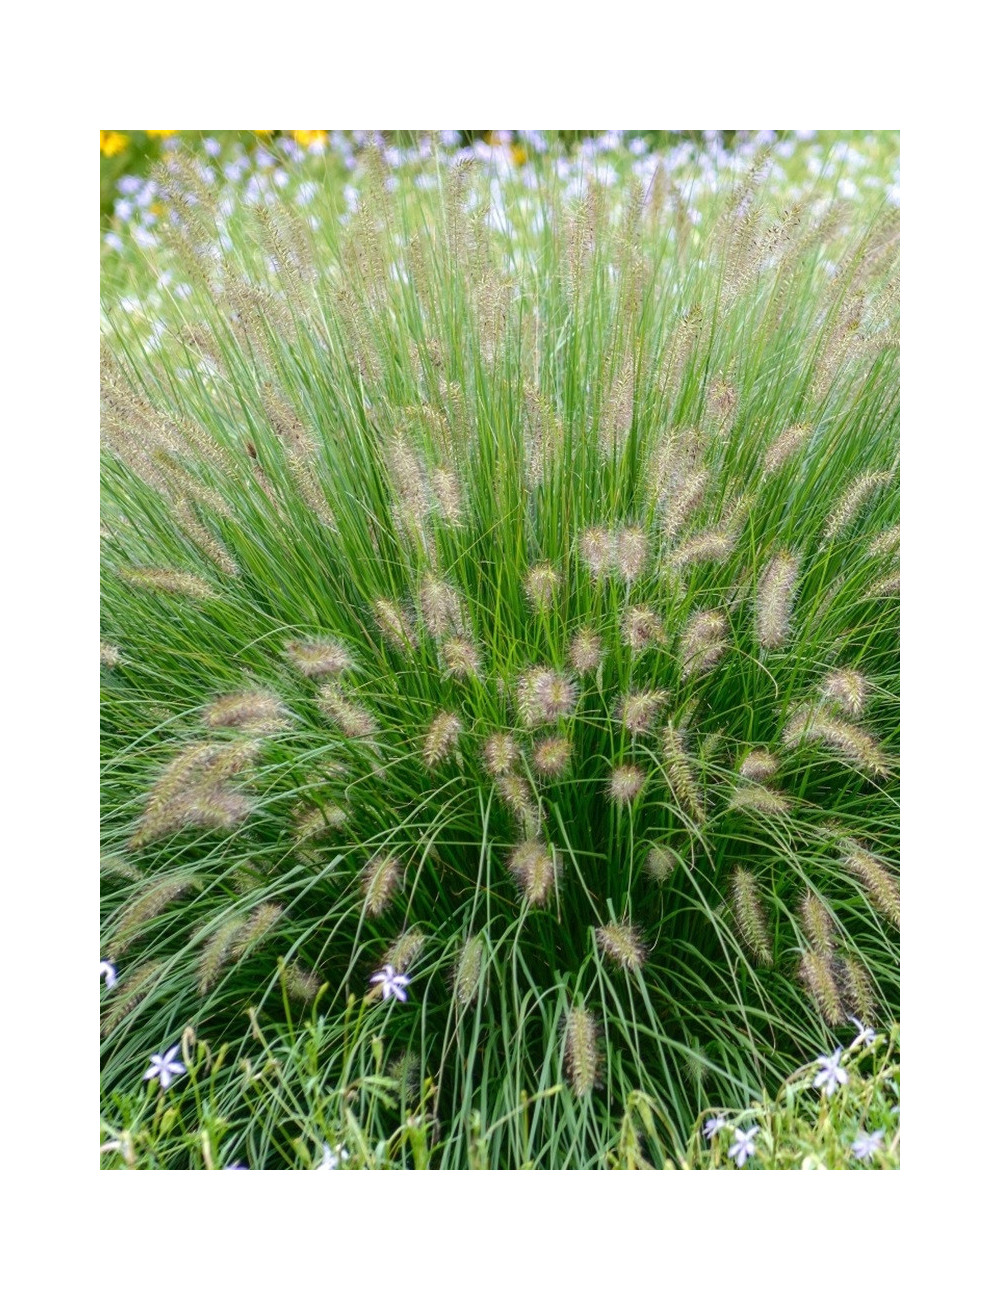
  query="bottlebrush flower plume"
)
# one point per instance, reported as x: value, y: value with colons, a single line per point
x: 703, y: 642
x: 582, y: 1059
x: 680, y: 775
x: 394, y: 624
x: 586, y: 652
x: 319, y: 658
x: 660, y: 863
x: 500, y: 753
x: 380, y: 879
x: 542, y: 586
x: 631, y: 553
x: 847, y: 689
x: 442, y: 738
x: 710, y: 547
x: 354, y: 721
x: 441, y: 608
x: 880, y: 885
x: 596, y: 547
x: 534, y: 865
x: 256, y: 711
x: 758, y: 798
x: 759, y: 765
x: 625, y: 784
x: 622, y: 944
x: 817, y: 974
x: 851, y: 502
x: 551, y: 756
x: 785, y: 446
x: 642, y: 627
x: 468, y: 969
x: 461, y: 659
x: 638, y: 710
x: 775, y: 595
x: 748, y: 913
x: 545, y: 696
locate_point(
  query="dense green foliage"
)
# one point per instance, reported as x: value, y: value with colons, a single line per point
x: 510, y: 597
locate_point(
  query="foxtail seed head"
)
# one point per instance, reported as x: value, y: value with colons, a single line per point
x: 759, y: 765
x: 354, y: 721
x: 642, y: 627
x: 622, y: 944
x: 468, y: 969
x: 542, y: 586
x: 847, y: 689
x: 551, y: 756
x: 775, y: 594
x: 534, y: 865
x: 631, y: 553
x: 461, y: 659
x: 625, y: 784
x: 500, y: 753
x: 582, y: 1059
x: 638, y: 711
x: 442, y: 738
x: 880, y: 886
x: 748, y: 913
x: 785, y: 446
x: 586, y: 652
x: 544, y: 696
x: 319, y: 658
x: 817, y: 974
x: 759, y: 799
x: 379, y: 881
x: 703, y: 642
x: 710, y: 547
x: 660, y: 863
x: 260, y: 712
x: 817, y: 924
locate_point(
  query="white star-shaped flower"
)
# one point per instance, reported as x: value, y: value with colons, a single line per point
x: 109, y: 973
x: 866, y: 1144
x: 714, y: 1124
x: 832, y: 1074
x: 744, y: 1147
x: 165, y: 1067
x: 393, y: 983
x: 865, y: 1034
x: 333, y: 1157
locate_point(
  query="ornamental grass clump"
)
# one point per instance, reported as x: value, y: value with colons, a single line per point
x: 531, y: 573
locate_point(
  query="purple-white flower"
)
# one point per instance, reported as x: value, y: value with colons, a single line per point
x: 744, y: 1146
x: 714, y: 1124
x: 333, y: 1157
x: 109, y: 973
x: 866, y: 1144
x: 865, y: 1034
x: 832, y: 1074
x: 393, y: 983
x: 165, y: 1067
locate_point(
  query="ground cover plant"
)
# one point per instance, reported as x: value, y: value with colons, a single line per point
x: 499, y: 663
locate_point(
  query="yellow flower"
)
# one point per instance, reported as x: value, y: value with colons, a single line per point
x: 518, y: 154
x: 113, y: 142
x: 161, y: 134
x: 306, y: 138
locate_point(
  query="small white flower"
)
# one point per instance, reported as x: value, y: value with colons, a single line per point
x: 165, y: 1067
x: 865, y: 1035
x: 867, y: 1144
x: 333, y: 1157
x: 109, y: 973
x: 393, y: 983
x: 714, y: 1124
x: 832, y: 1074
x: 744, y: 1147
